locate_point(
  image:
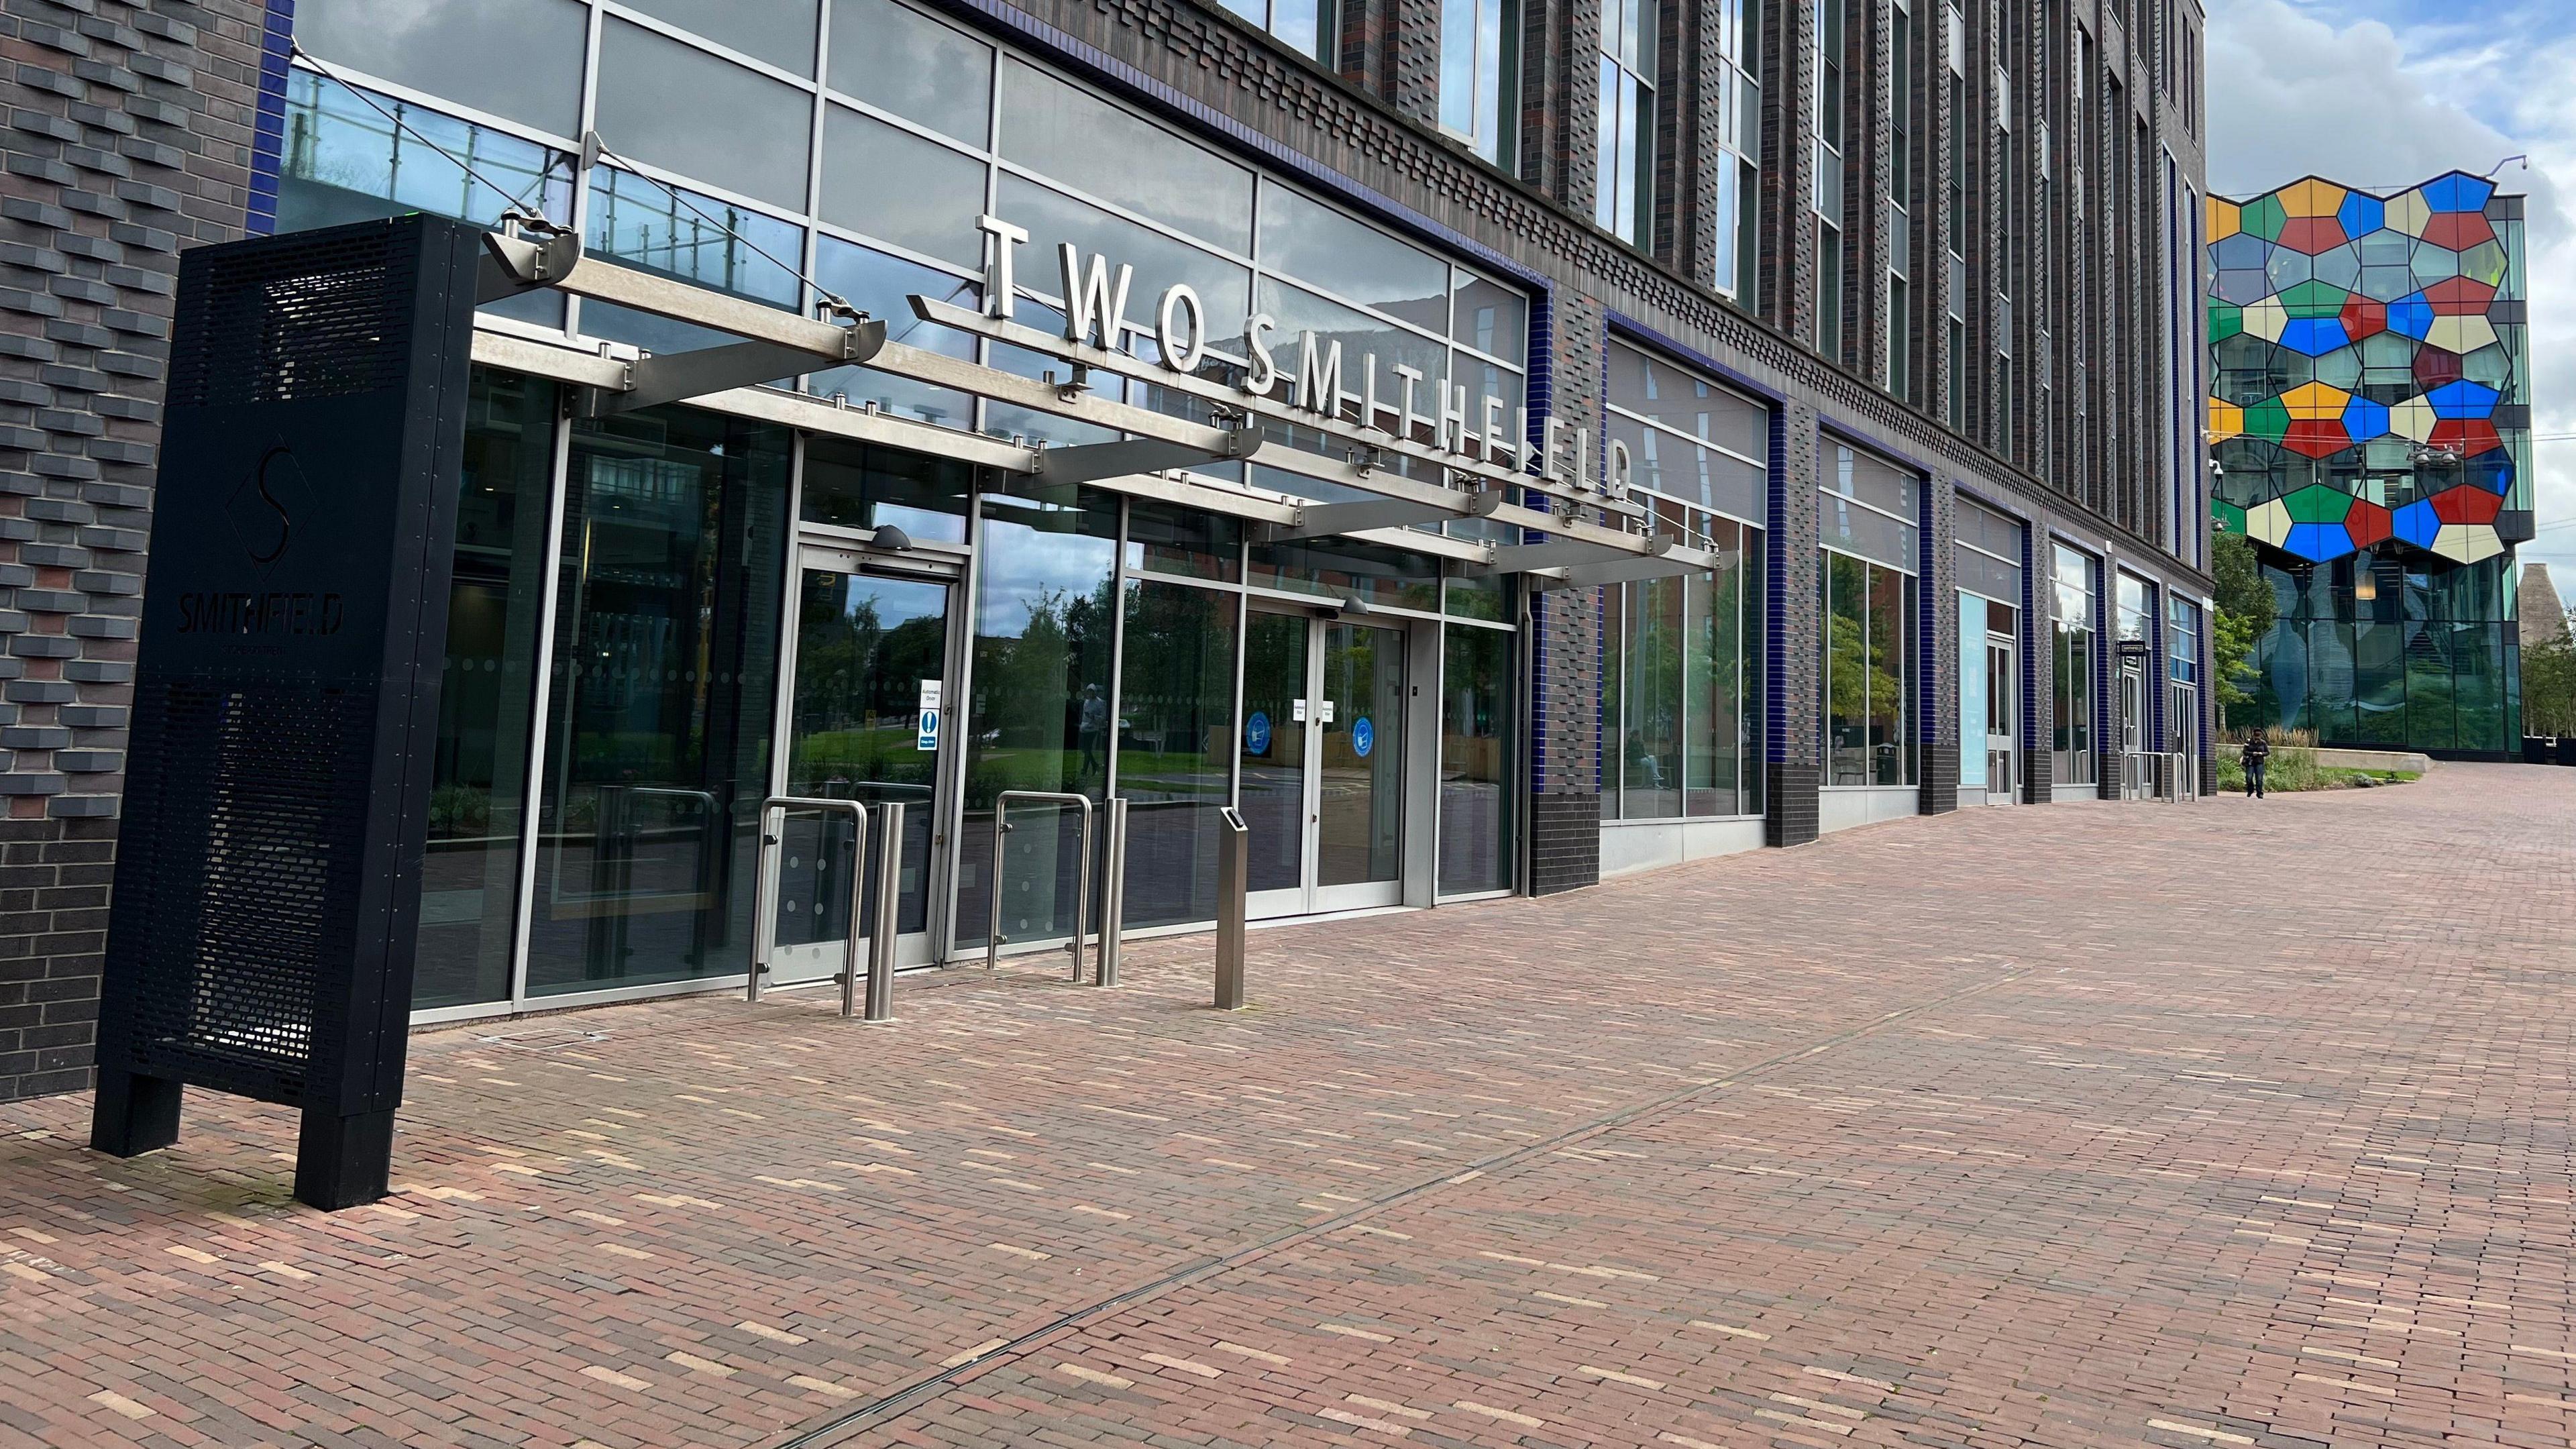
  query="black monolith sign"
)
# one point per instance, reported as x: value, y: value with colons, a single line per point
x: 261, y: 932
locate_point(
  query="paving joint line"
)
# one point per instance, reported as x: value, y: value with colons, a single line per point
x: 842, y: 1426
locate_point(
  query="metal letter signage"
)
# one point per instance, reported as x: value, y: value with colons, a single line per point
x: 1462, y: 425
x: 267, y: 895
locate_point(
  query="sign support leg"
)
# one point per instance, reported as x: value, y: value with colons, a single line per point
x: 341, y: 1162
x: 133, y: 1114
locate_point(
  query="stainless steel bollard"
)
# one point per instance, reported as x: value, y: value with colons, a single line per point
x: 1233, y: 880
x: 889, y: 903
x: 1113, y: 894
x: 1081, y: 880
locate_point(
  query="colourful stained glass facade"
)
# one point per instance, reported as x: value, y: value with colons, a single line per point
x: 2370, y: 421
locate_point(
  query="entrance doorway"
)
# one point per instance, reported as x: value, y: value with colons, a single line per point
x: 2003, y: 720
x: 1323, y: 762
x: 2184, y: 707
x: 2137, y: 770
x: 871, y: 647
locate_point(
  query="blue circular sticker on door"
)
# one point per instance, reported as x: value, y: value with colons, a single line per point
x: 1256, y: 734
x: 1363, y: 736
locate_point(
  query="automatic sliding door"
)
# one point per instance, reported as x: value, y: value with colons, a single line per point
x: 1359, y: 769
x: 1275, y: 665
x: 871, y: 652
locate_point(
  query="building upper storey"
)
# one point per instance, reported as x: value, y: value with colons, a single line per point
x: 1984, y: 212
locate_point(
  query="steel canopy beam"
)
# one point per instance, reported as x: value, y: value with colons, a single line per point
x: 1620, y: 571
x: 1564, y: 552
x: 1327, y: 520
x: 1090, y: 462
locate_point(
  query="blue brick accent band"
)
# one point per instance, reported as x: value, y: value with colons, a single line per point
x: 268, y: 131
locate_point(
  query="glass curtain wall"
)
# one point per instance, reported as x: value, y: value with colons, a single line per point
x: 2182, y: 664
x: 1478, y: 801
x: 1682, y: 656
x: 1869, y: 512
x: 2427, y: 661
x: 910, y: 156
x: 661, y: 708
x: 478, y: 793
x: 2075, y: 664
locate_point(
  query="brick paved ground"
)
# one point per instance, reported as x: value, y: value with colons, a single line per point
x: 1864, y: 1143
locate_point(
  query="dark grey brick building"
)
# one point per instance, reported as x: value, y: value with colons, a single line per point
x: 1886, y: 309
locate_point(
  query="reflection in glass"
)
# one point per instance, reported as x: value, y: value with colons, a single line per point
x: 780, y: 32
x: 1088, y: 143
x: 344, y: 161
x: 1372, y: 572
x: 1651, y: 745
x: 1845, y: 582
x: 899, y: 188
x: 1165, y: 538
x: 882, y: 286
x: 1274, y: 749
x: 469, y: 878
x: 945, y: 81
x: 1476, y: 792
x: 444, y: 48
x: 655, y: 98
x: 865, y: 646
x: 859, y: 485
x: 1308, y: 240
x: 1360, y: 769
x: 664, y: 664
x: 1891, y: 750
x: 1039, y: 718
x: 1175, y: 746
x: 639, y: 223
x: 1614, y: 696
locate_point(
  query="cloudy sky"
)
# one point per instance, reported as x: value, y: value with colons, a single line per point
x: 2383, y: 93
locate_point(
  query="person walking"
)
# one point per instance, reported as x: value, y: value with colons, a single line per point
x: 2256, y: 754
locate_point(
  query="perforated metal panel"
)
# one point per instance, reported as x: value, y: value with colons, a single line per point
x: 267, y: 890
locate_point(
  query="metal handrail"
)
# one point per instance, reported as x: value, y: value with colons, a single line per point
x: 773, y: 824
x: 1082, y: 878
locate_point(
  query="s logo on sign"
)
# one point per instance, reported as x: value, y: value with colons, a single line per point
x: 262, y: 509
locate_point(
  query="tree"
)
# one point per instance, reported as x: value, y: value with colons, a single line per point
x: 2549, y: 686
x: 2245, y: 613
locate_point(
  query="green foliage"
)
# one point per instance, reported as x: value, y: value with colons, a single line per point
x: 2245, y: 613
x: 2549, y: 687
x: 2294, y: 769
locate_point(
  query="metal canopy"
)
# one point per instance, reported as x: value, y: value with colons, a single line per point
x: 780, y: 344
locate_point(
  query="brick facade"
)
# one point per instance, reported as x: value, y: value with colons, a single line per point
x: 129, y: 137
x: 132, y: 133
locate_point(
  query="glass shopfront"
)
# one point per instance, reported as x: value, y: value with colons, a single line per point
x: 1870, y: 520
x: 1681, y: 656
x: 1986, y: 553
x: 2075, y: 661
x: 662, y: 618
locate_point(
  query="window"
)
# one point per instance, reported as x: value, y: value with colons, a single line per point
x: 2074, y: 660
x: 1682, y: 657
x: 1738, y: 165
x: 1827, y: 199
x: 444, y: 47
x: 1480, y: 75
x: 1869, y: 513
x: 1313, y: 27
x: 1623, y: 200
x: 642, y: 77
x: 1900, y: 192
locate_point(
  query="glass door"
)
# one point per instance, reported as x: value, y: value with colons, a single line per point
x: 865, y: 722
x: 2002, y: 721
x: 2133, y: 727
x: 1359, y: 766
x: 2184, y: 724
x: 1323, y: 763
x: 1276, y: 748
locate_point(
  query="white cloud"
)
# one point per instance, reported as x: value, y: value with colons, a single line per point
x: 2326, y: 88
